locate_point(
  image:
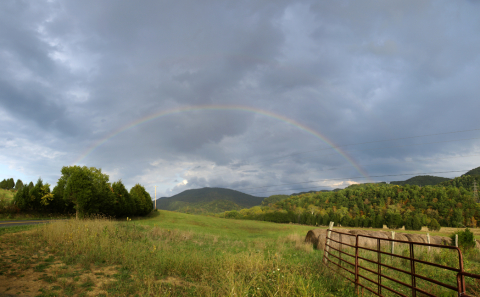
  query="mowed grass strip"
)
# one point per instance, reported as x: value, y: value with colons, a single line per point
x: 175, y: 254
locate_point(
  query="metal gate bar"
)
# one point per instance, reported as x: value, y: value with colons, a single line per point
x: 460, y: 278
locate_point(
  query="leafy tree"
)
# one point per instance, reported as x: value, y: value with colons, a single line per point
x: 30, y: 185
x: 87, y: 189
x: 434, y: 225
x: 273, y: 199
x: 142, y: 199
x: 18, y: 184
x: 413, y: 223
x: 124, y: 205
x: 80, y: 191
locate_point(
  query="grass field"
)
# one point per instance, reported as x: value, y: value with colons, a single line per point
x: 167, y: 254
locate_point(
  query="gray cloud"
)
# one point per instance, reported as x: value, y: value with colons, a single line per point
x: 347, y: 72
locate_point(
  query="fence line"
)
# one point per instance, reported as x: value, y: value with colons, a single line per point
x: 341, y: 252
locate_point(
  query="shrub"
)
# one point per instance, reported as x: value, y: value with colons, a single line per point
x: 466, y: 239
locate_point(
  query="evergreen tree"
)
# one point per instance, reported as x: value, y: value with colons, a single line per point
x: 18, y: 184
x: 10, y: 183
x: 22, y: 198
x: 3, y: 184
x: 434, y: 225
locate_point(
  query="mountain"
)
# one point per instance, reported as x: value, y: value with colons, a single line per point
x: 421, y: 180
x: 208, y: 200
x: 475, y: 171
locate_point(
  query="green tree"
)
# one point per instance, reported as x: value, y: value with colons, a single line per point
x: 36, y: 194
x: 98, y: 197
x: 18, y: 184
x: 3, y: 184
x: 433, y: 225
x: 10, y: 183
x: 142, y: 199
x: 123, y: 204
x: 22, y: 198
x: 80, y: 191
x: 273, y: 199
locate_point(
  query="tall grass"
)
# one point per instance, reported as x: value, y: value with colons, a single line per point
x: 158, y: 261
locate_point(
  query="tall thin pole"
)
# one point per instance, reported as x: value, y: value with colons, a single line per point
x: 475, y: 192
x: 155, y: 197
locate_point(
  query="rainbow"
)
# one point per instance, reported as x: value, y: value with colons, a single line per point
x: 222, y: 108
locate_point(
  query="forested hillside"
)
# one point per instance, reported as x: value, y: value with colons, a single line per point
x: 208, y: 200
x: 475, y: 171
x: 421, y: 180
x: 373, y: 205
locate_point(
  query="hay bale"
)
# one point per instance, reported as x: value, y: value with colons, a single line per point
x: 441, y: 240
x: 416, y: 237
x: 312, y: 236
x: 318, y: 237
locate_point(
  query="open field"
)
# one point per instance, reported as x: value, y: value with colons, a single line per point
x: 167, y: 254
x: 171, y: 254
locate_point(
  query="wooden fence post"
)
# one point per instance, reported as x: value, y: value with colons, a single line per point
x: 329, y: 233
x: 428, y: 241
x: 456, y: 240
x: 393, y: 243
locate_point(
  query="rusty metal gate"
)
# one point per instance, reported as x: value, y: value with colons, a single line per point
x: 363, y: 259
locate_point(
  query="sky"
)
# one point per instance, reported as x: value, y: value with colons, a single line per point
x: 263, y: 97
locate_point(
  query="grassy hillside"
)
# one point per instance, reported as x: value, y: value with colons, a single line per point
x: 208, y: 200
x: 6, y: 195
x: 421, y: 180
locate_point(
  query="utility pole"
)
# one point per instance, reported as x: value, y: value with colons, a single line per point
x: 155, y: 197
x: 475, y: 191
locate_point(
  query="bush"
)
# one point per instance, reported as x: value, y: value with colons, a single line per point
x: 466, y: 240
x: 434, y: 225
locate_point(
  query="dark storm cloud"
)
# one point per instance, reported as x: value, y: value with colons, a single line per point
x: 352, y: 72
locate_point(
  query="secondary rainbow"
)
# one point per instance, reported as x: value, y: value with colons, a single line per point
x: 221, y: 108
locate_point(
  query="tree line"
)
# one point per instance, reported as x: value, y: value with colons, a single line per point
x: 9, y: 184
x: 449, y: 204
x: 84, y: 191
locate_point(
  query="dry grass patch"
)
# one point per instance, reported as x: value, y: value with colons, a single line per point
x: 30, y: 269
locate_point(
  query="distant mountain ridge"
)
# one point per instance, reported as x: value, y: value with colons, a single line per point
x: 475, y: 171
x: 208, y: 200
x: 421, y: 180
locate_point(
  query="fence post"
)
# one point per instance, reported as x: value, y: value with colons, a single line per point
x: 393, y: 243
x: 428, y: 241
x: 456, y: 240
x: 329, y: 233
